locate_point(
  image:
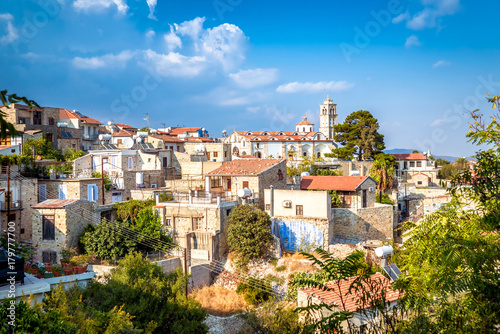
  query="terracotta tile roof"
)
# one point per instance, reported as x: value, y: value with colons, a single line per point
x: 304, y: 121
x: 123, y: 133
x: 68, y: 114
x: 419, y: 173
x: 167, y: 138
x: 55, y: 203
x: 6, y: 146
x: 179, y: 131
x: 351, y: 300
x: 246, y: 166
x: 343, y: 183
x: 125, y: 126
x: 198, y: 139
x: 248, y: 157
x: 410, y: 156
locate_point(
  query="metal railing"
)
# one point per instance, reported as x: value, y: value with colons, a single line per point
x: 203, y: 197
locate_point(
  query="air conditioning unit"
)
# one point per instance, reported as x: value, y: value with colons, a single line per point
x: 287, y: 204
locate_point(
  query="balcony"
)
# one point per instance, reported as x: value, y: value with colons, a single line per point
x: 89, y: 136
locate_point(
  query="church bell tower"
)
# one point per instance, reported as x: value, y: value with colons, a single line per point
x: 328, y: 118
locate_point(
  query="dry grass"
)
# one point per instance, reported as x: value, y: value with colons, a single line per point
x: 220, y: 301
x: 296, y: 262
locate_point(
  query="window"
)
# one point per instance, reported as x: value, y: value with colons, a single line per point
x: 419, y: 163
x: 225, y: 154
x: 299, y: 210
x: 412, y: 163
x: 198, y: 223
x: 419, y: 182
x: 119, y: 141
x: 303, y: 129
x: 245, y: 184
x: 51, y: 121
x: 113, y: 161
x: 228, y: 212
x: 22, y: 231
x: 92, y: 192
x: 63, y: 191
x: 49, y: 137
x: 42, y: 192
x: 257, y: 145
x: 48, y: 228
x: 268, y: 207
x: 216, y: 154
x: 215, y: 183
x: 280, y: 174
x: 37, y: 117
x: 49, y: 257
x: 168, y: 222
x: 130, y: 163
x: 165, y: 162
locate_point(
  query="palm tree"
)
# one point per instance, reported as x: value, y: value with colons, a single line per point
x: 382, y: 171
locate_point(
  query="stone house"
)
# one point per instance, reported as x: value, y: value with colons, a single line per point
x: 412, y: 163
x: 420, y: 179
x: 167, y: 142
x: 198, y: 223
x: 119, y: 138
x: 354, y: 191
x: 58, y: 224
x: 254, y: 174
x: 126, y: 167
x: 88, y: 126
x: 17, y: 207
x: 343, y: 299
x: 303, y: 218
x: 26, y: 119
x: 216, y: 152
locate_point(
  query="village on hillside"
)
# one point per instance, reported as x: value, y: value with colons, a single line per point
x: 236, y: 213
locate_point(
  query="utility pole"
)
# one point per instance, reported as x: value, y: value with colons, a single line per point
x: 164, y: 126
x: 185, y: 272
x: 102, y: 179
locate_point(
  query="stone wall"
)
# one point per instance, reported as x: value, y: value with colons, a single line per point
x: 69, y: 225
x: 170, y: 265
x: 184, y: 184
x: 200, y: 276
x: 270, y: 177
x: 184, y: 166
x: 27, y: 193
x: 374, y: 223
x: 221, y: 150
x: 76, y: 188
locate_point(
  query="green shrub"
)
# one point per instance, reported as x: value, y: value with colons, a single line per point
x: 255, y: 291
x: 273, y: 261
x: 280, y: 268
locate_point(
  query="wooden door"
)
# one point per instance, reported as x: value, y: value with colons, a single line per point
x: 364, y: 198
x: 228, y: 184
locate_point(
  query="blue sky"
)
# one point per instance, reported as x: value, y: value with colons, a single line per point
x: 259, y: 65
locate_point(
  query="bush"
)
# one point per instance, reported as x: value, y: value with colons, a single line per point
x: 255, y: 291
x: 249, y: 234
x: 280, y: 268
x: 273, y: 261
x: 385, y: 199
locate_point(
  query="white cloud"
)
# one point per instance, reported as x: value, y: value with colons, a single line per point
x: 278, y: 115
x: 401, y: 17
x: 253, y: 110
x: 174, y: 64
x: 221, y: 47
x: 11, y: 31
x: 438, y: 122
x: 412, y: 41
x: 173, y: 41
x: 88, y: 5
x: 314, y: 87
x: 150, y: 34
x: 192, y: 28
x: 152, y: 6
x: 225, y: 45
x: 106, y: 61
x: 440, y: 63
x: 255, y: 77
x: 434, y: 9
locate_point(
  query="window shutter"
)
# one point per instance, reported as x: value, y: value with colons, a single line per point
x: 63, y: 189
x: 42, y: 192
x: 48, y: 228
x: 129, y: 163
x: 90, y: 193
x: 96, y: 194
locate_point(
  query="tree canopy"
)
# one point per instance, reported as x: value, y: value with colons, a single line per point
x: 359, y: 136
x: 382, y: 171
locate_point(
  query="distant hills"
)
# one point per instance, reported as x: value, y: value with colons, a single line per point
x: 408, y: 150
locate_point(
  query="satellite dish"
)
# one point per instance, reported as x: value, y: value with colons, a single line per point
x: 128, y: 142
x: 110, y: 123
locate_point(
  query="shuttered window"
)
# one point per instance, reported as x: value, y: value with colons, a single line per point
x: 48, y: 228
x: 92, y: 193
x: 49, y: 257
x: 42, y: 192
x: 63, y: 191
x: 245, y: 184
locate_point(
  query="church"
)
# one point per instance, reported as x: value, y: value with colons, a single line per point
x: 303, y: 142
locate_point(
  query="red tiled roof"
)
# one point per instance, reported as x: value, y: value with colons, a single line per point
x: 167, y: 138
x: 246, y: 166
x: 123, y: 133
x: 419, y: 173
x: 68, y: 114
x: 410, y: 156
x: 6, y: 146
x: 248, y: 157
x: 179, y: 131
x: 125, y: 126
x: 304, y: 121
x: 55, y: 203
x: 351, y: 301
x: 198, y: 139
x: 344, y: 183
